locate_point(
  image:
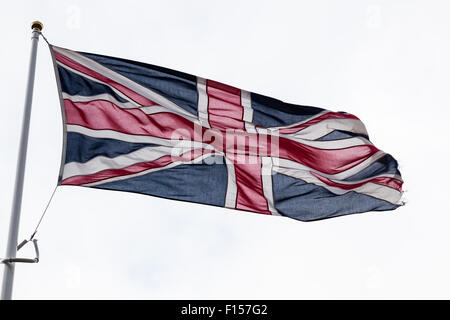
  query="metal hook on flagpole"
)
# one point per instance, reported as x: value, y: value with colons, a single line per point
x: 24, y: 260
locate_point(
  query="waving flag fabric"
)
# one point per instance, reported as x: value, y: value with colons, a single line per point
x: 141, y: 128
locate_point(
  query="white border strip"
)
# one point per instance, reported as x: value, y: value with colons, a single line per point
x: 202, y: 102
x: 372, y: 189
x: 330, y: 144
x: 102, y: 96
x: 289, y: 164
x: 230, y: 199
x: 127, y: 105
x: 266, y: 177
x: 101, y: 163
x: 327, y: 126
x: 246, y: 102
x: 134, y: 138
x: 171, y: 165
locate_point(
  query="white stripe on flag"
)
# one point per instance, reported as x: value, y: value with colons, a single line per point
x: 330, y: 144
x: 289, y: 164
x: 202, y: 102
x: 127, y: 105
x: 135, y: 138
x: 101, y: 163
x: 327, y: 126
x: 230, y: 198
x: 372, y: 189
x: 248, y: 111
x: 266, y: 172
x: 103, y: 96
x: 129, y: 176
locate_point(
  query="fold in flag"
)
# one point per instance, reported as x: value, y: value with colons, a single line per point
x: 141, y: 128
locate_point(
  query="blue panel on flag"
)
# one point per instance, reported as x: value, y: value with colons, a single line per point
x: 201, y: 183
x: 338, y: 134
x: 179, y: 87
x: 270, y: 112
x: 82, y: 148
x: 306, y: 201
x: 74, y: 84
x: 385, y: 165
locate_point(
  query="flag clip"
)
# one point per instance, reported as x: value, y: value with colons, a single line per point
x: 24, y: 260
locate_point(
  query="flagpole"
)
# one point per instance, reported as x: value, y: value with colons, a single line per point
x: 11, y: 250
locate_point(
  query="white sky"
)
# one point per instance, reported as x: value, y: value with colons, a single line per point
x: 385, y: 61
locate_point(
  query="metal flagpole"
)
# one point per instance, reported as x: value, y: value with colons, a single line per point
x: 8, y: 273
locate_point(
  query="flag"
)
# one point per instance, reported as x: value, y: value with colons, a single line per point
x: 137, y: 127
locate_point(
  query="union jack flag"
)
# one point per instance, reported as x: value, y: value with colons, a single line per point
x: 142, y: 128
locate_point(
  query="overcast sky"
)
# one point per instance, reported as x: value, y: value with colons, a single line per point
x: 384, y: 61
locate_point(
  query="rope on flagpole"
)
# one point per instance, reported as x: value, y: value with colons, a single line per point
x: 43, y: 37
x: 34, y: 241
x: 43, y: 214
x: 54, y: 190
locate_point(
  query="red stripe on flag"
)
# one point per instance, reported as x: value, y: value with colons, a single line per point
x: 250, y: 194
x: 329, y: 161
x: 385, y: 181
x: 135, y: 168
x: 126, y: 91
x: 224, y: 106
x: 105, y: 115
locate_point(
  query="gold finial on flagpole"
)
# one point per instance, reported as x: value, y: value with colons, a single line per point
x: 37, y: 26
